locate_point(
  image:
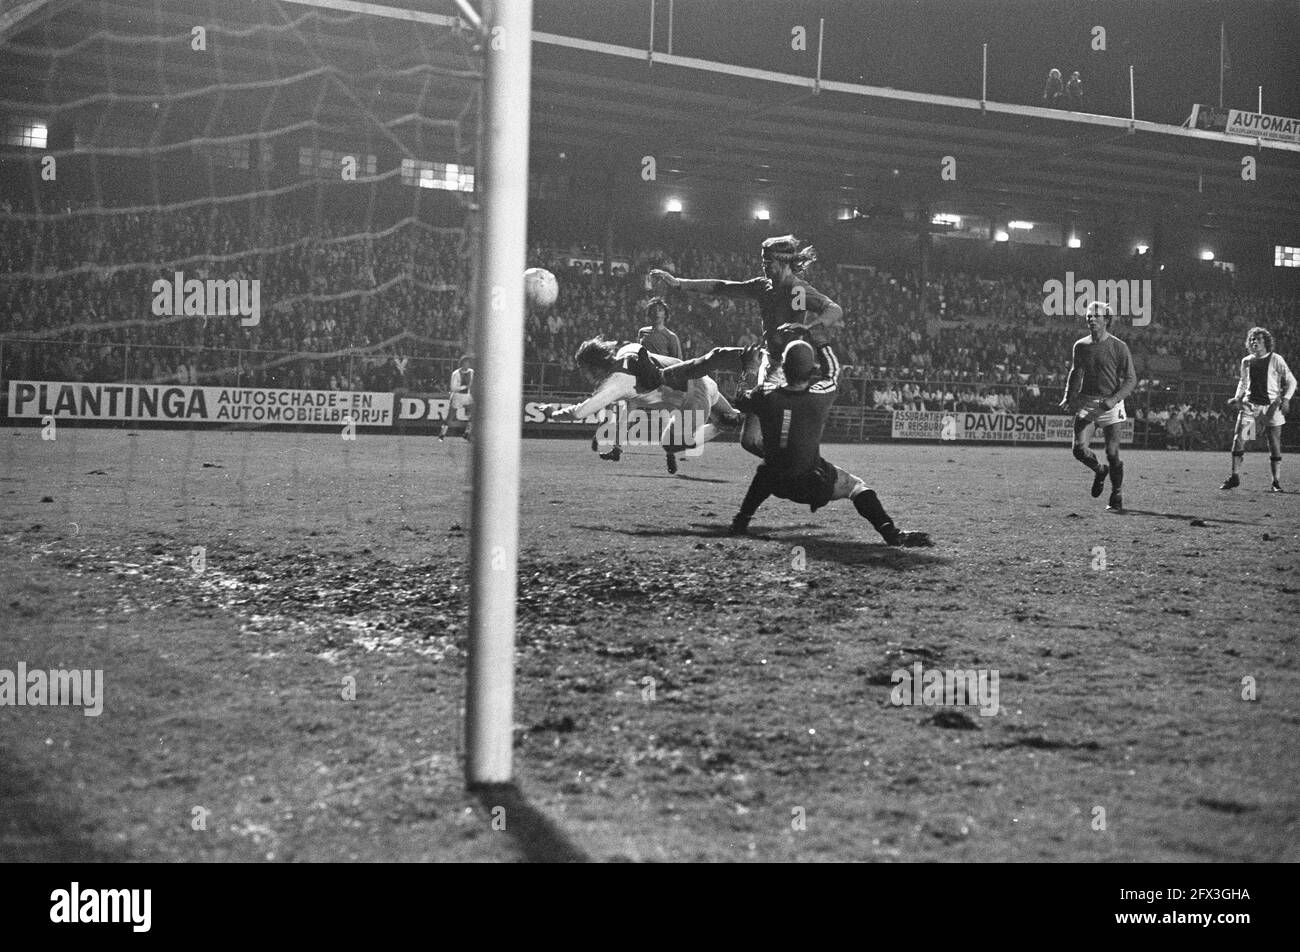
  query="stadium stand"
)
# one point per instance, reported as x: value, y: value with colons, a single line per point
x: 387, y: 309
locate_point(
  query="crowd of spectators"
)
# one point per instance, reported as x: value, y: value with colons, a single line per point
x: 385, y: 307
x: 76, y: 298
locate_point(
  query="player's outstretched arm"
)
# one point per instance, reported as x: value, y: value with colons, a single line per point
x: 706, y: 285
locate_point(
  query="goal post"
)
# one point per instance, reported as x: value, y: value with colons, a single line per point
x: 498, y: 346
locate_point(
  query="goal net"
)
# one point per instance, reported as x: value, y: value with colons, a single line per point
x: 239, y: 194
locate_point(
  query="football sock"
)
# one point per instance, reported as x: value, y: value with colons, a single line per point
x: 1087, y: 458
x: 1116, y: 473
x: 867, y: 503
x: 754, y: 498
x: 1275, y: 464
x: 1237, y: 457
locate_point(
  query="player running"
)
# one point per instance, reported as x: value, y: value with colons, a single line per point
x: 1264, y: 395
x: 1101, y: 376
x: 792, y: 418
x: 783, y: 298
x: 630, y: 373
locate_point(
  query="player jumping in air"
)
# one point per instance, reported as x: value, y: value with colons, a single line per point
x: 792, y: 417
x: 783, y: 297
x: 1263, y: 395
x: 462, y: 386
x: 1101, y: 376
x: 630, y: 373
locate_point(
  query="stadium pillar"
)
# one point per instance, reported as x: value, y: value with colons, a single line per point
x: 922, y: 256
x: 498, y: 343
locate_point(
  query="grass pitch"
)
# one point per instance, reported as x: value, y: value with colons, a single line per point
x: 280, y: 619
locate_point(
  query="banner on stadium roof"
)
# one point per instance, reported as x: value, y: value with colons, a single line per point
x: 979, y: 427
x: 1263, y: 126
x: 172, y: 403
x: 1242, y: 123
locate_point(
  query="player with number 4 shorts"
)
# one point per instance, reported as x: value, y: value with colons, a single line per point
x: 1263, y: 397
x: 1101, y: 376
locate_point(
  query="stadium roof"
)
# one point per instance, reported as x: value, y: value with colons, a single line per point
x: 711, y: 126
x: 886, y: 146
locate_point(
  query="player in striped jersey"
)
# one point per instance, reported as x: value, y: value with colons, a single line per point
x: 1101, y: 376
x: 1264, y: 393
x: 792, y: 417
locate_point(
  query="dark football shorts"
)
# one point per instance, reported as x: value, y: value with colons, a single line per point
x: 813, y: 489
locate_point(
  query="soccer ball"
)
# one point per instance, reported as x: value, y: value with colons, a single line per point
x: 540, y: 287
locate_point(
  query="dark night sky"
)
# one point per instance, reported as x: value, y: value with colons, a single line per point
x: 934, y: 45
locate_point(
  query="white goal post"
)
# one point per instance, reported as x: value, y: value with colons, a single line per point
x: 499, y: 347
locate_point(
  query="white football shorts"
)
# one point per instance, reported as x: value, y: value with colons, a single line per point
x: 1115, y: 414
x: 1253, y: 416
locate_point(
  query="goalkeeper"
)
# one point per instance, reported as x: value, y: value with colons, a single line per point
x: 792, y: 418
x: 678, y: 376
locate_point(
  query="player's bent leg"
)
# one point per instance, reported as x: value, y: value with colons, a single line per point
x: 1116, y: 468
x: 1238, y: 454
x: 868, y: 505
x: 755, y: 496
x: 723, y: 413
x: 678, y: 376
x: 847, y: 485
x: 1239, y: 439
x: 1081, y: 451
x: 703, y: 435
x: 1275, y: 456
x: 1086, y: 456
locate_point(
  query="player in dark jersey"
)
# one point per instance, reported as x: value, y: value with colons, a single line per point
x: 792, y: 418
x: 657, y: 336
x: 1263, y: 396
x: 1101, y: 376
x: 783, y: 297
